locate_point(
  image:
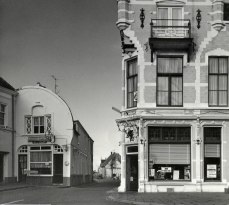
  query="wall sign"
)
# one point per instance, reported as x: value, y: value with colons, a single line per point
x: 211, y: 170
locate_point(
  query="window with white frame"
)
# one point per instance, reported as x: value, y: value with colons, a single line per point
x: 218, y: 81
x: 169, y: 153
x: 169, y: 16
x: 38, y: 124
x: 212, y: 153
x: 169, y: 81
x: 2, y: 114
x: 132, y: 83
x: 41, y: 159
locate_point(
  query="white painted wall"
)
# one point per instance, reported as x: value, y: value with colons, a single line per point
x: 62, y: 121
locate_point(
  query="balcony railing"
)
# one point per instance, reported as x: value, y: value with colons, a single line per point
x: 170, y: 28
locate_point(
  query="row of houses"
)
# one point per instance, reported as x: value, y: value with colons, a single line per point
x: 175, y: 113
x: 40, y: 142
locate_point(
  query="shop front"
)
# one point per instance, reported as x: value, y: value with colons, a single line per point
x: 40, y: 164
x: 175, y: 155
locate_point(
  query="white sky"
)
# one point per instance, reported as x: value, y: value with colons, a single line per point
x: 78, y: 42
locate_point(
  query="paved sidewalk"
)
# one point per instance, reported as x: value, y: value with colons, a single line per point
x: 13, y: 186
x: 169, y: 198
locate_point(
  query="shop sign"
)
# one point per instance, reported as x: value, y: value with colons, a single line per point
x: 37, y: 139
x: 42, y: 139
x: 211, y: 170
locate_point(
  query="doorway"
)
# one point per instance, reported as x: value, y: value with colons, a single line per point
x: 132, y: 172
x: 58, y: 169
x: 22, y: 166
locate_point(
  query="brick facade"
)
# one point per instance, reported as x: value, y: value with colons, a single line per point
x: 210, y: 40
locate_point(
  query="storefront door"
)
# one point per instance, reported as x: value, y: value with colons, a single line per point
x: 132, y: 172
x: 22, y: 166
x: 58, y: 169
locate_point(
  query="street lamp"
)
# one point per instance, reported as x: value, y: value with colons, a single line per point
x: 198, y: 18
x: 142, y: 17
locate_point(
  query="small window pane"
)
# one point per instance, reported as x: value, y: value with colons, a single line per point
x: 223, y: 98
x: 176, y: 98
x: 223, y: 65
x: 213, y: 98
x: 42, y: 128
x: 163, y: 98
x: 213, y: 65
x: 213, y: 82
x: 36, y: 120
x: 41, y: 120
x: 163, y: 84
x: 222, y: 82
x: 176, y: 84
x: 36, y: 129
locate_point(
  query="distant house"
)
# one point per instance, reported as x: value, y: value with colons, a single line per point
x: 7, y: 134
x: 110, y: 167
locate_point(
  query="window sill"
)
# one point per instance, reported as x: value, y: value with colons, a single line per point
x: 170, y: 183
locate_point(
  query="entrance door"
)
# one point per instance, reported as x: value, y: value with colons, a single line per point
x: 132, y: 172
x: 22, y: 166
x: 58, y: 169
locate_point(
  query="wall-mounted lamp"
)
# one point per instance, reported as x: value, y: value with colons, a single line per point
x: 142, y: 17
x: 198, y: 141
x: 198, y: 18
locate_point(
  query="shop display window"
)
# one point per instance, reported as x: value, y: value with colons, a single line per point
x: 169, y: 153
x: 41, y: 160
x: 212, y: 153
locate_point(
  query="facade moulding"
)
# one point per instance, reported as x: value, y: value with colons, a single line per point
x: 152, y: 2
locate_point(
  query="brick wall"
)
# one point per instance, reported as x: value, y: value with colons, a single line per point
x: 206, y: 39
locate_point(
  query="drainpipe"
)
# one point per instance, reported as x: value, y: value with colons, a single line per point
x: 13, y: 134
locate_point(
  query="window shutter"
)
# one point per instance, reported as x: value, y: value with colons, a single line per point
x: 170, y: 153
x: 212, y: 150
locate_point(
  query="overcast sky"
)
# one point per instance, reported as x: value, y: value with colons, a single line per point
x: 78, y: 42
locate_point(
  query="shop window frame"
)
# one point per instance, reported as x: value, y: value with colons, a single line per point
x: 188, y: 142
x: 215, y: 142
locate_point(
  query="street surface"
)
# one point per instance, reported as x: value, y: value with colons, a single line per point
x: 95, y: 193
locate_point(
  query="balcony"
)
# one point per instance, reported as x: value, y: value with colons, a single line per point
x: 172, y: 35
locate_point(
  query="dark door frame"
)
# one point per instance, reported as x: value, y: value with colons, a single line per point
x: 132, y: 173
x: 58, y: 169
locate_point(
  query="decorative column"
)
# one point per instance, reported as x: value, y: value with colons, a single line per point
x: 217, y: 12
x: 198, y: 156
x: 123, y: 15
x: 141, y: 157
x: 122, y: 187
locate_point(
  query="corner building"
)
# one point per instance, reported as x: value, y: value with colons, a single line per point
x: 174, y: 119
x: 51, y: 147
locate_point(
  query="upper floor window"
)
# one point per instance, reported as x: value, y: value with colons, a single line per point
x: 169, y: 16
x: 226, y: 12
x: 169, y: 81
x: 2, y: 114
x: 217, y: 81
x: 132, y: 83
x: 38, y: 124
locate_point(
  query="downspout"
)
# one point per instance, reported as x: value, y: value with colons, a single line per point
x: 13, y: 134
